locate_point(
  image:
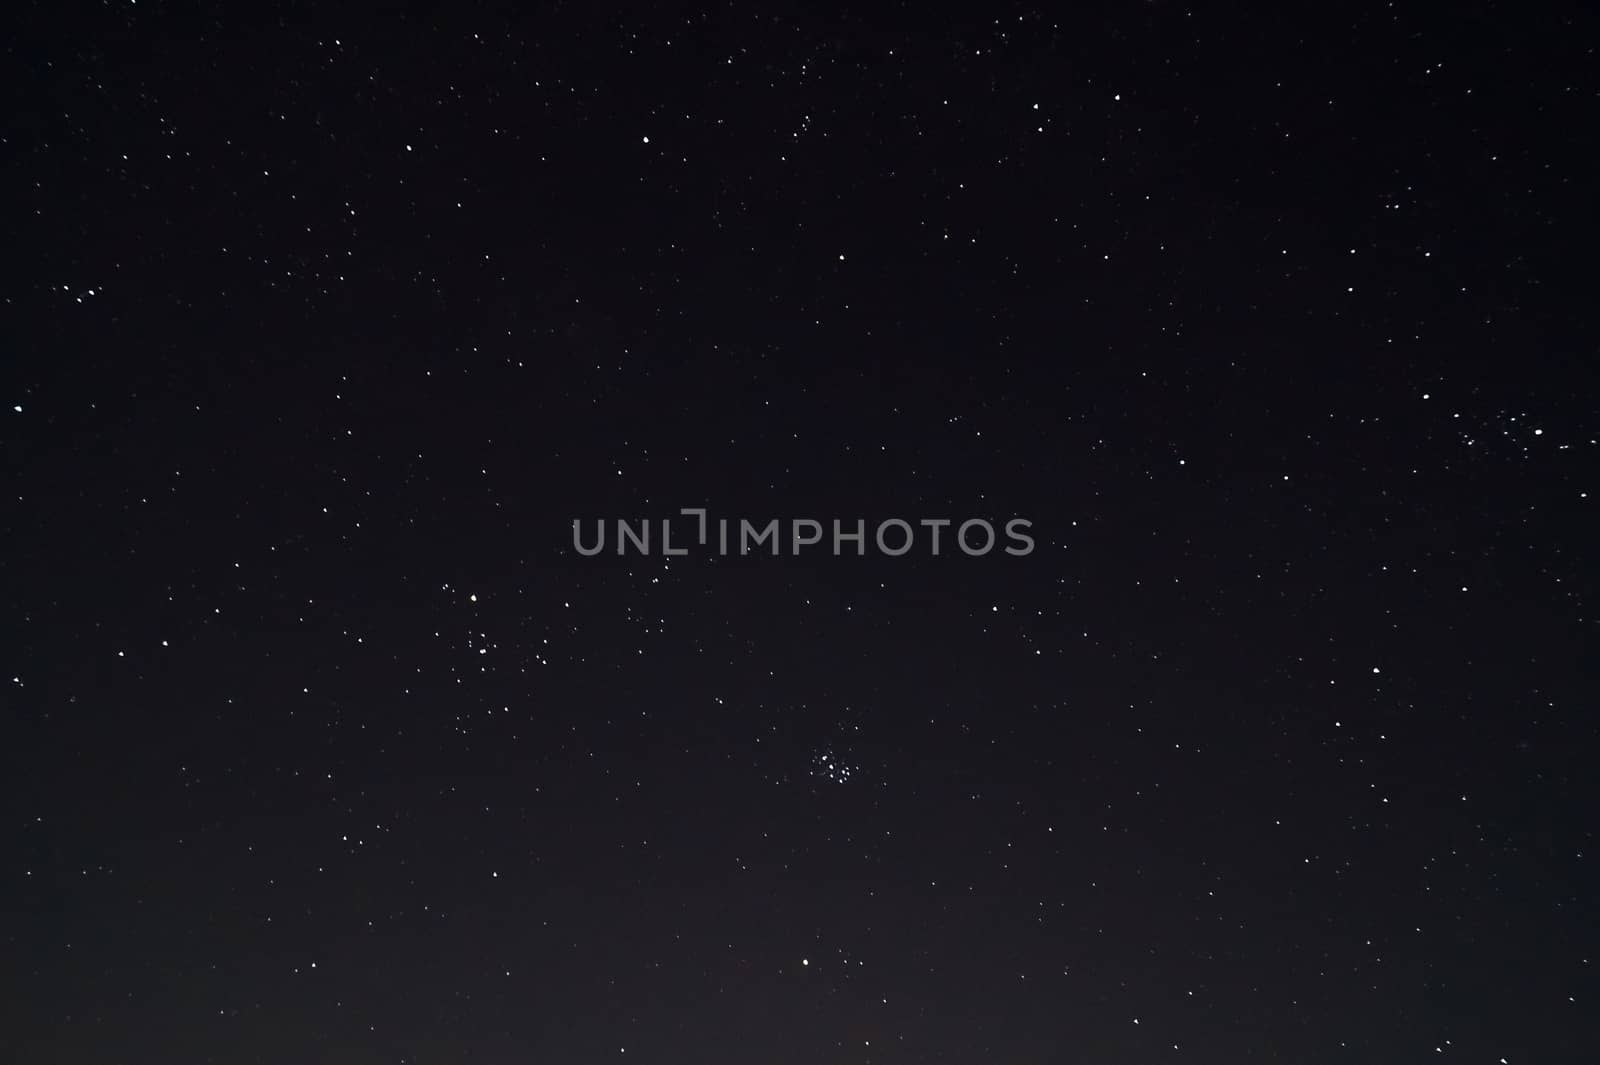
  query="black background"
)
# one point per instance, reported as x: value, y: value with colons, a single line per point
x: 324, y: 325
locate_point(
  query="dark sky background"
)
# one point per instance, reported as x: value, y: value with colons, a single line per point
x: 322, y: 325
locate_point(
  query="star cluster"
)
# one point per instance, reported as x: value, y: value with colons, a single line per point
x: 324, y: 744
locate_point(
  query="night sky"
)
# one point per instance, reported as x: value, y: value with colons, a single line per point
x: 321, y: 742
